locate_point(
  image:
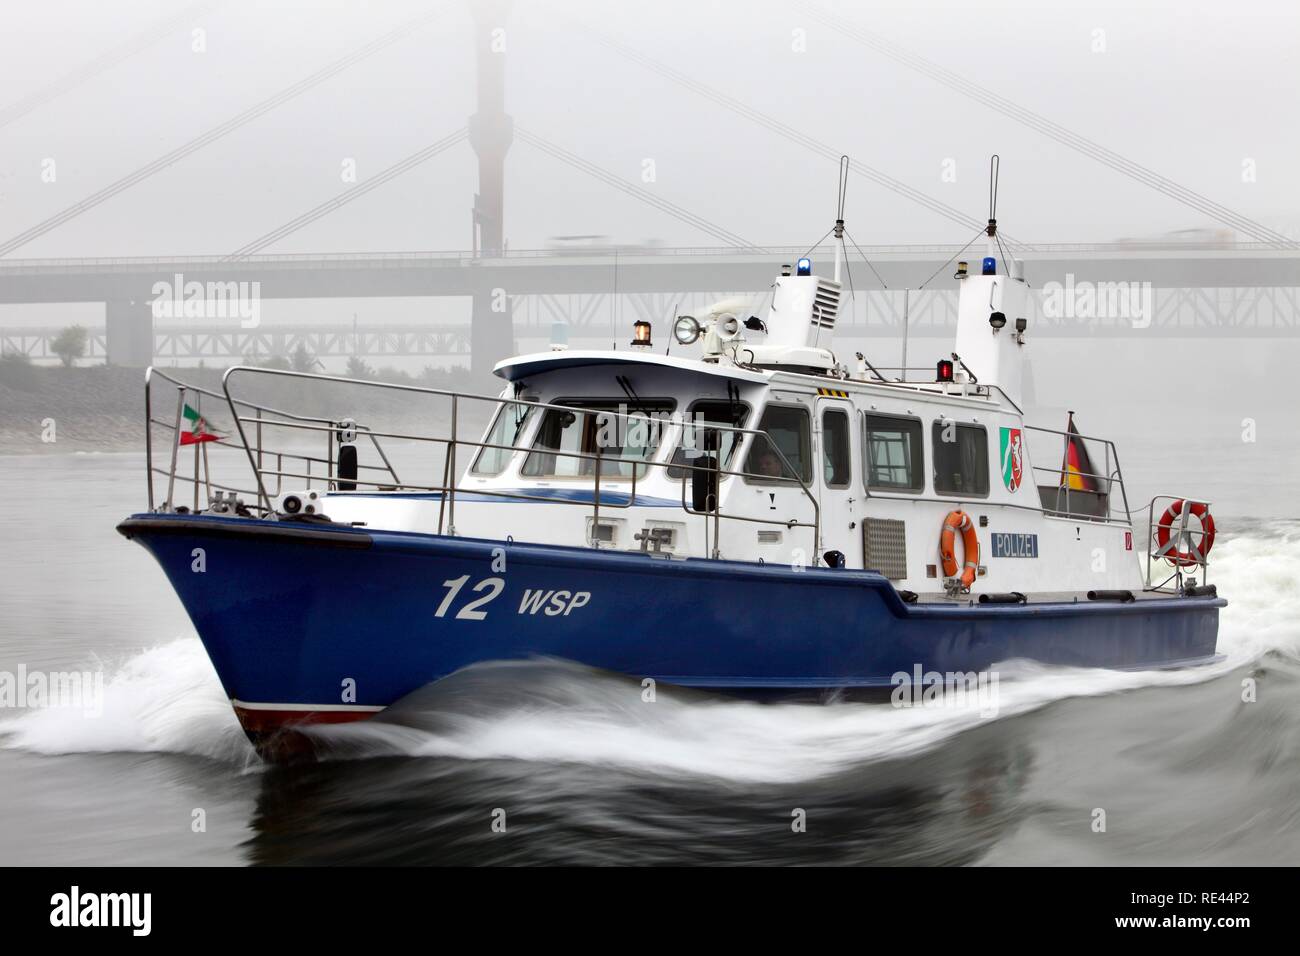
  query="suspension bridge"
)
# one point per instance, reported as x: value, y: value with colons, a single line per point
x: 1245, y: 286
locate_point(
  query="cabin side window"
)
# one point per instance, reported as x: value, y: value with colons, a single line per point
x: 693, y: 437
x: 961, y: 459
x: 506, y: 431
x: 568, y: 442
x: 836, y: 458
x: 789, y: 428
x: 892, y: 449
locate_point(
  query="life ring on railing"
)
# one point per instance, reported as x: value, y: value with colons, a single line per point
x: 1195, y: 554
x: 959, y: 521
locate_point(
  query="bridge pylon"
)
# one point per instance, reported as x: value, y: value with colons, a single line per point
x: 128, y: 333
x: 491, y: 131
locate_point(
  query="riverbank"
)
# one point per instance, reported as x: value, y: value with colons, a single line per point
x: 46, y: 410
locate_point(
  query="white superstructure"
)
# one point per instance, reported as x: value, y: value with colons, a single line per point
x: 868, y: 469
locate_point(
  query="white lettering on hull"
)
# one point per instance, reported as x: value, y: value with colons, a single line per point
x: 553, y: 603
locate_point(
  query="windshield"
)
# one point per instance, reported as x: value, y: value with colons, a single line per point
x: 506, y: 431
x: 695, y: 438
x: 568, y: 442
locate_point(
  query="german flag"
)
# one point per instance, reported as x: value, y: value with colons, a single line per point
x: 1077, y: 471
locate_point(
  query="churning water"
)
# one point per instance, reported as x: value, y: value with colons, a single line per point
x: 583, y: 770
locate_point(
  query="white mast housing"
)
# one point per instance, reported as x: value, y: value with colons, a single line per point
x: 800, y: 324
x: 989, y: 341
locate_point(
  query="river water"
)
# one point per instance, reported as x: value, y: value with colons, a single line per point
x: 582, y: 772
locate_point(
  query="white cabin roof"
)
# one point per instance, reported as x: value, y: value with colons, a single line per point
x: 521, y: 366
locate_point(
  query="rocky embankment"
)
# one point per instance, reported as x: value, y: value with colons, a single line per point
x: 81, y: 409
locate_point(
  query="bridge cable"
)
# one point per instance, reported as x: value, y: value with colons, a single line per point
x: 266, y: 106
x: 355, y: 192
x: 108, y: 59
x: 1049, y: 128
x: 677, y: 212
x: 774, y: 125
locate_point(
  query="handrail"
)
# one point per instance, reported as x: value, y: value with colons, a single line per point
x: 1113, y: 475
x: 1195, y: 539
x: 245, y: 413
x: 257, y: 417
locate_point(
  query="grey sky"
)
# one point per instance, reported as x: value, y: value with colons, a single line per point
x: 1191, y: 90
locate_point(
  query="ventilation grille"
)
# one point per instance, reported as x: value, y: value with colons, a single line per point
x: 826, y: 305
x: 884, y: 547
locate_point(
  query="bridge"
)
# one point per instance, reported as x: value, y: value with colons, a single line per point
x: 1214, y: 288
x: 570, y: 293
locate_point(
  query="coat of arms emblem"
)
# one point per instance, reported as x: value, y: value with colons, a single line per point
x: 1012, y: 458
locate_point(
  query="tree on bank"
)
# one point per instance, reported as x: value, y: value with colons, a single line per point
x: 357, y: 368
x: 69, y: 345
x: 302, y: 360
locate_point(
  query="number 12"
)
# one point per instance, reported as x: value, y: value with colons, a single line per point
x: 470, y: 612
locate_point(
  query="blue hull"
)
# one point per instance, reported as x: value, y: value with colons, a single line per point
x: 291, y: 611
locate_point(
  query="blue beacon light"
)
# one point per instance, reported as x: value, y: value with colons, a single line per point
x: 804, y: 268
x: 990, y: 266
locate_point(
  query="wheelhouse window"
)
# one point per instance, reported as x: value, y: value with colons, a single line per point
x: 507, y: 430
x: 893, y: 455
x: 788, y: 428
x: 836, y: 458
x: 568, y: 442
x: 961, y: 459
x: 694, y: 438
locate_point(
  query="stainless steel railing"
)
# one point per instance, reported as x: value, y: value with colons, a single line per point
x: 257, y: 423
x: 1110, y: 476
x: 1187, y: 547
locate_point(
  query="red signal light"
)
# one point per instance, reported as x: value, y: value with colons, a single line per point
x: 943, y: 372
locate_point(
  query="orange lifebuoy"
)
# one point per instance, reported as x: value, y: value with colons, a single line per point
x: 959, y: 521
x: 1195, y: 554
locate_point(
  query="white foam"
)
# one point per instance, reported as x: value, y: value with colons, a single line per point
x: 168, y: 699
x: 165, y: 699
x: 604, y: 721
x: 595, y: 719
x: 1259, y: 574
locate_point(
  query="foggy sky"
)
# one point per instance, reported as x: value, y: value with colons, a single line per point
x: 1189, y: 89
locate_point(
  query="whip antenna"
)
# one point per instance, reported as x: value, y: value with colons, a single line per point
x: 839, y: 216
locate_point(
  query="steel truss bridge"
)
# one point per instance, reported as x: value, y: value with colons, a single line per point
x: 590, y: 318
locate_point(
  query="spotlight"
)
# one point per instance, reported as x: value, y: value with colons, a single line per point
x: 686, y: 330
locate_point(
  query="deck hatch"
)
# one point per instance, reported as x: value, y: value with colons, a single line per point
x: 884, y: 547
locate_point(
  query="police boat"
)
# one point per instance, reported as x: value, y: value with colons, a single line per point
x: 745, y: 512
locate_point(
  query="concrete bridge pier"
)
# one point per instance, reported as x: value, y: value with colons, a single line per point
x: 128, y: 333
x: 491, y: 131
x: 492, y: 329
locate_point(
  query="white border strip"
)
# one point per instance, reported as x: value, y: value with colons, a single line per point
x: 353, y: 708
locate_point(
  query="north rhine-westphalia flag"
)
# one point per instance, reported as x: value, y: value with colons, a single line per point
x: 196, y: 428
